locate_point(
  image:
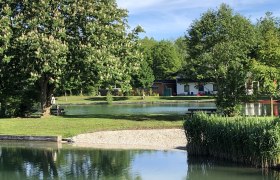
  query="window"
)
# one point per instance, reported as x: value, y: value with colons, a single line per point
x: 201, y: 87
x: 186, y: 88
x: 215, y: 88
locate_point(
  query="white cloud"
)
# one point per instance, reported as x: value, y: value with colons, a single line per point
x: 167, y: 17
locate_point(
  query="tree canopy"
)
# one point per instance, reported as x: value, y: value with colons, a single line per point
x: 219, y: 44
x: 65, y: 45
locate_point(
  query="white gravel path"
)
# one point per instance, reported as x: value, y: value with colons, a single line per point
x: 162, y: 139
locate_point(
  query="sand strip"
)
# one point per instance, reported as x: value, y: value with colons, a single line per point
x: 158, y: 139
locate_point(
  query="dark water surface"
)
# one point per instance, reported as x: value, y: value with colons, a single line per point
x: 50, y: 161
x: 251, y: 109
x: 136, y: 109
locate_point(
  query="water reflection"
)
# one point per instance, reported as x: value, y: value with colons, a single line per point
x: 212, y: 169
x: 26, y: 163
x: 249, y: 109
x: 135, y: 109
x: 23, y: 162
x: 260, y: 109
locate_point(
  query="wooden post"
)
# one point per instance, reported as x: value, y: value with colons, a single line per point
x: 271, y: 105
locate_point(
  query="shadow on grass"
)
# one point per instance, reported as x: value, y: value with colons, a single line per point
x: 104, y: 99
x: 161, y: 117
x: 186, y: 97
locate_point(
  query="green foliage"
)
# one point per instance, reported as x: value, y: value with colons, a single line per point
x: 181, y: 46
x: 63, y: 46
x: 146, y: 46
x: 268, y: 77
x: 266, y: 66
x: 100, y: 48
x: 254, y: 141
x: 268, y: 50
x: 144, y: 77
x: 219, y: 44
x: 109, y: 98
x: 166, y: 60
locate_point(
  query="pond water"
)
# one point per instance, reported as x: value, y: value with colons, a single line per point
x: 133, y: 108
x: 29, y: 160
x: 50, y: 161
x: 252, y: 109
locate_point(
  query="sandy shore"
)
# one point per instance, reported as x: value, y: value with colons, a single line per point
x: 159, y: 139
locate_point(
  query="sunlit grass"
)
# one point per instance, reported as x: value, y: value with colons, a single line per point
x: 71, y: 126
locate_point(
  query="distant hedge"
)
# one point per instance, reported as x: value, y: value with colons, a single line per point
x: 248, y: 140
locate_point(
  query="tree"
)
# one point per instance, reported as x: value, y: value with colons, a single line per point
x: 144, y: 78
x: 46, y: 45
x: 41, y: 46
x: 268, y: 51
x: 219, y: 44
x: 100, y: 49
x: 146, y: 46
x: 267, y: 61
x: 181, y: 46
x: 166, y: 60
x: 5, y: 40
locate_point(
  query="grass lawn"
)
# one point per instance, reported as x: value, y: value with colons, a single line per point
x: 69, y: 126
x: 130, y: 99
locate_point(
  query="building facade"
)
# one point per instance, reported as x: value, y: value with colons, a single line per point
x: 195, y: 88
x: 164, y: 87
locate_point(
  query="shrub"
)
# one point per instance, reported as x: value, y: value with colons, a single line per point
x: 109, y: 98
x: 248, y: 140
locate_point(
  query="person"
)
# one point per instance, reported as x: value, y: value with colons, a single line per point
x: 52, y: 100
x: 143, y: 96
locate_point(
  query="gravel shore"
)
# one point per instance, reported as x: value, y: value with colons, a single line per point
x: 158, y: 139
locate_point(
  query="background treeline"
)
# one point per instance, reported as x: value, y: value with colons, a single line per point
x: 228, y: 49
x: 49, y: 45
x: 57, y: 47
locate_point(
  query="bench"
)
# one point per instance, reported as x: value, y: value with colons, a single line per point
x: 207, y: 110
x: 57, y: 111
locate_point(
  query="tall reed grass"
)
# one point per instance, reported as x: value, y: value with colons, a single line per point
x: 248, y: 140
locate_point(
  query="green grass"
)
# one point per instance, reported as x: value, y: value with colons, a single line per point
x: 69, y: 126
x: 129, y: 99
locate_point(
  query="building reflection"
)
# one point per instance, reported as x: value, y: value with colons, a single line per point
x: 260, y: 109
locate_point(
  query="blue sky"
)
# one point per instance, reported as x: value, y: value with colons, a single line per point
x: 169, y: 19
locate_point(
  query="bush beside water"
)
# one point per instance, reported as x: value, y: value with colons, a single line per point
x: 248, y: 140
x: 109, y: 98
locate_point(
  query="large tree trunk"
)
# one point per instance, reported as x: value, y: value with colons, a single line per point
x: 45, y: 95
x: 2, y: 109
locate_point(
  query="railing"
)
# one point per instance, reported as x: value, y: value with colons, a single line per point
x: 207, y: 110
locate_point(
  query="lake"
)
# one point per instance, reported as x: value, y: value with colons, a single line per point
x: 252, y: 109
x: 51, y: 161
x: 30, y: 160
x: 137, y: 109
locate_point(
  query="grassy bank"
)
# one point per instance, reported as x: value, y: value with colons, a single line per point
x: 69, y: 126
x: 130, y: 99
x: 254, y: 141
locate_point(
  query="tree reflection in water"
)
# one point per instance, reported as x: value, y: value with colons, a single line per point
x: 211, y: 169
x: 54, y: 163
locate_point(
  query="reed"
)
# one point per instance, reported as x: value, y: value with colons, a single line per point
x: 248, y: 140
